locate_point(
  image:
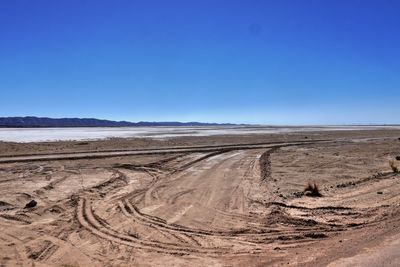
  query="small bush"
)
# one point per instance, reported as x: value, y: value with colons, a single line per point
x: 312, y: 190
x: 393, y: 166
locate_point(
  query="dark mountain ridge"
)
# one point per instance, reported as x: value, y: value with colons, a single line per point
x: 25, y: 122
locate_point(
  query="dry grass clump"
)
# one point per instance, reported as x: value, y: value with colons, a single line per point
x: 393, y: 166
x: 312, y: 190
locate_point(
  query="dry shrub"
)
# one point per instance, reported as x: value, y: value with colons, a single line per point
x: 312, y: 190
x: 393, y: 166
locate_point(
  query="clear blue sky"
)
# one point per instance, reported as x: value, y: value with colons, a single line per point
x: 273, y: 62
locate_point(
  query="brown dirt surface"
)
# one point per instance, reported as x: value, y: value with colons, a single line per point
x: 203, y: 201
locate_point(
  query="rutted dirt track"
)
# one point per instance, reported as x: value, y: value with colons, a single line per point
x: 239, y: 205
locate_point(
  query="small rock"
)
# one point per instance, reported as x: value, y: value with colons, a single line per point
x: 379, y: 192
x: 31, y: 204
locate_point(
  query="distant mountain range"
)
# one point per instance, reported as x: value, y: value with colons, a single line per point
x: 89, y: 122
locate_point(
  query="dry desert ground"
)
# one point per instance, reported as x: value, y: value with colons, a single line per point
x: 203, y: 201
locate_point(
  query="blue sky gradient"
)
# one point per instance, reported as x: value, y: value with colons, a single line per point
x: 270, y: 62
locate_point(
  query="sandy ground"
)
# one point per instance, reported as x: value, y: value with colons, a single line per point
x: 203, y: 201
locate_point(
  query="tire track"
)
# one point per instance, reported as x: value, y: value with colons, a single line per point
x: 164, y: 151
x: 87, y: 219
x: 132, y: 211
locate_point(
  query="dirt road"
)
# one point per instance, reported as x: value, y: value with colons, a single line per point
x: 138, y: 152
x: 240, y: 205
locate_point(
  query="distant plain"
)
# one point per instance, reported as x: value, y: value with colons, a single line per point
x: 97, y: 133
